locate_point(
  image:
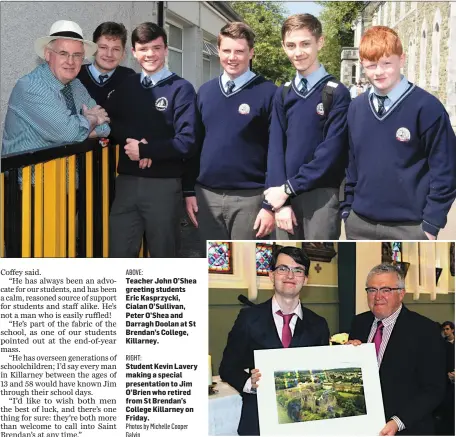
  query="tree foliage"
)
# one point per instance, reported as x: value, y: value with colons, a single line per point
x: 337, y: 18
x: 266, y: 18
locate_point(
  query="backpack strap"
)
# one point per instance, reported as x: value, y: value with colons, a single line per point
x: 327, y: 95
x: 285, y: 90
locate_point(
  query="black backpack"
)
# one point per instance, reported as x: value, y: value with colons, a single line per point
x: 327, y: 94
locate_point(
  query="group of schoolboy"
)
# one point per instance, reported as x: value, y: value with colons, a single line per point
x: 248, y: 156
x: 252, y: 156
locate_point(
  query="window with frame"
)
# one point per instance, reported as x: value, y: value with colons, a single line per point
x: 423, y: 54
x: 220, y: 257
x: 175, y: 48
x: 435, y: 60
x: 209, y: 51
x: 263, y: 256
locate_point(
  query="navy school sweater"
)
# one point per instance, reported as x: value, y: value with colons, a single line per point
x: 402, y: 166
x: 164, y: 115
x: 99, y: 92
x: 308, y: 148
x: 234, y: 136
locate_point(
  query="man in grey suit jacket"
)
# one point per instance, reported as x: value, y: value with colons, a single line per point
x: 410, y: 354
x: 279, y: 322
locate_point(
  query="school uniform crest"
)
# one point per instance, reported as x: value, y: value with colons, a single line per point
x: 320, y: 109
x: 161, y: 104
x: 244, y: 109
x: 403, y: 135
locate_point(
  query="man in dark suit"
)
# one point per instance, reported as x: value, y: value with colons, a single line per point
x: 410, y: 354
x: 279, y: 322
x: 445, y: 413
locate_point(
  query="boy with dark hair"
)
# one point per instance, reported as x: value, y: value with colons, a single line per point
x: 153, y: 118
x: 308, y: 141
x: 224, y: 189
x: 280, y: 322
x: 401, y: 177
x: 105, y: 73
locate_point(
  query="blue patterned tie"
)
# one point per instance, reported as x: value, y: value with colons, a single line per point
x: 102, y: 78
x: 230, y: 86
x: 68, y: 96
x: 147, y: 82
x: 304, y: 89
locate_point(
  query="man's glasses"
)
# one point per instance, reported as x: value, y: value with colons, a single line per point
x: 384, y: 290
x: 285, y: 270
x: 65, y: 56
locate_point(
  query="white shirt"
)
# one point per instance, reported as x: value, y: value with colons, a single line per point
x: 388, y: 326
x: 312, y: 78
x: 96, y: 73
x: 278, y: 320
x: 394, y: 95
x: 239, y: 81
x: 157, y: 76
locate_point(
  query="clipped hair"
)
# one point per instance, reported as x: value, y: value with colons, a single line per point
x: 111, y: 29
x: 302, y: 21
x: 147, y: 32
x: 237, y: 30
x: 379, y: 41
x: 447, y: 323
x: 387, y: 268
x: 298, y: 255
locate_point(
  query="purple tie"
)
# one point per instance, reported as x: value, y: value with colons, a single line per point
x: 378, y: 336
x: 286, y: 330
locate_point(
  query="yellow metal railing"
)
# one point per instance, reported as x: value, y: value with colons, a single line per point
x: 49, y: 208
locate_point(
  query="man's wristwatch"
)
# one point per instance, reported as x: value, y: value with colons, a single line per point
x: 287, y: 189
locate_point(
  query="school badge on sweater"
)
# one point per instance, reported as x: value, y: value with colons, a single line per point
x: 161, y: 104
x: 403, y: 135
x: 244, y: 109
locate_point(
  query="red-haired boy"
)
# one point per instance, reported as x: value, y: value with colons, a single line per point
x: 401, y: 177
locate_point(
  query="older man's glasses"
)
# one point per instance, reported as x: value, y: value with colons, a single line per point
x: 285, y: 270
x: 384, y: 290
x: 65, y: 56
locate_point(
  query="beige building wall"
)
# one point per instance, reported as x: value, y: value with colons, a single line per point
x: 368, y: 255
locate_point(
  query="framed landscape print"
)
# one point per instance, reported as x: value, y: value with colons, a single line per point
x: 326, y: 390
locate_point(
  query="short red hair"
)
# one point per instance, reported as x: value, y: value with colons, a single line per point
x: 379, y: 41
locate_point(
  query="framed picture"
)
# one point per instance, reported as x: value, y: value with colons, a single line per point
x: 325, y: 390
x: 323, y: 252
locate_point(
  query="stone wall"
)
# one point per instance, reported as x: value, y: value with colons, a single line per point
x: 407, y: 21
x: 409, y: 27
x: 349, y: 58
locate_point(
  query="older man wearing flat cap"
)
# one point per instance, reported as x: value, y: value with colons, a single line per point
x: 49, y: 107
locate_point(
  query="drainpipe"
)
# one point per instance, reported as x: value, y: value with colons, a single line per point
x: 161, y: 14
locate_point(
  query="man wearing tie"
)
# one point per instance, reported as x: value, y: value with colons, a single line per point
x: 401, y: 176
x: 308, y: 144
x: 154, y: 121
x: 49, y: 107
x: 105, y: 73
x: 410, y: 354
x: 279, y: 322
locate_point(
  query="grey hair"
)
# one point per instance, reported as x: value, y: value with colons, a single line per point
x: 387, y: 268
